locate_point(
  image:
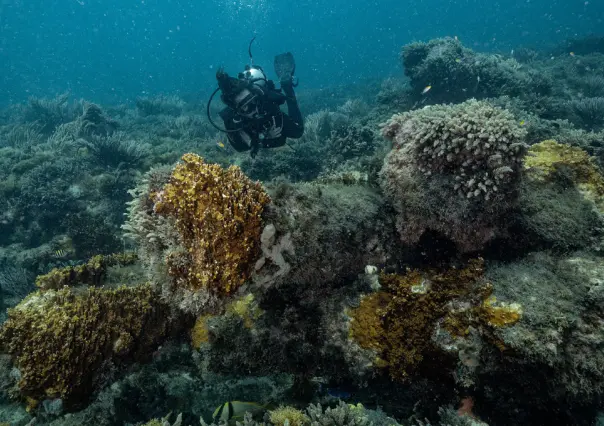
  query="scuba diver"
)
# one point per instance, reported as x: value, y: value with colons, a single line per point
x: 253, y: 117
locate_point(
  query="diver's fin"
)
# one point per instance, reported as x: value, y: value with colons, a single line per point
x: 285, y: 66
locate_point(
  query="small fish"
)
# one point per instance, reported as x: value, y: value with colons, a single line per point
x: 61, y: 253
x: 512, y: 52
x: 426, y: 90
x: 522, y: 122
x: 458, y: 60
x: 456, y: 39
x: 235, y: 410
x: 572, y: 53
x: 220, y: 144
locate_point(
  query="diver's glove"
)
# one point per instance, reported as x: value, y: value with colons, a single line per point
x: 273, y: 131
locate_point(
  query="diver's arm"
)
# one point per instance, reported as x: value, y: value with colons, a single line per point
x: 240, y: 141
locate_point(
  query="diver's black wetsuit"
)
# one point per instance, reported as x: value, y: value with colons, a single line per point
x: 263, y: 131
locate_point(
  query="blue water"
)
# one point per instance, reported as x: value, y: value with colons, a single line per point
x: 115, y: 50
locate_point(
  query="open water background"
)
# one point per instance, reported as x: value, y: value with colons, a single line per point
x: 115, y: 50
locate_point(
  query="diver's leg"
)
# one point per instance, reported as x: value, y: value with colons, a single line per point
x: 291, y: 128
x: 240, y: 141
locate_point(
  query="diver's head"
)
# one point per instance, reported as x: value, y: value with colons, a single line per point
x: 246, y: 103
x: 254, y: 74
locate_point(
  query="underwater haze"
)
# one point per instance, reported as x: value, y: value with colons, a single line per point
x: 398, y: 220
x: 117, y: 50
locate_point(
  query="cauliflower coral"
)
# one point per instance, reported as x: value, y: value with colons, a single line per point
x: 453, y: 169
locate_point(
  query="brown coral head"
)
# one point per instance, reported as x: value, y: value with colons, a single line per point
x: 218, y: 214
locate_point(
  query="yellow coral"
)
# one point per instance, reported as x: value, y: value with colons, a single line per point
x: 200, y: 332
x: 366, y: 327
x: 503, y: 315
x: 547, y: 157
x: 218, y: 215
x: 31, y: 404
x: 247, y: 309
x: 90, y: 273
x: 164, y: 421
x: 59, y: 340
x: 154, y: 422
x: 358, y: 408
x: 399, y: 321
x: 289, y: 415
x: 485, y: 312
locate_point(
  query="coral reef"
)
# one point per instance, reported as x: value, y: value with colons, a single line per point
x: 330, y: 140
x: 219, y: 216
x: 198, y: 228
x: 165, y: 421
x: 481, y: 146
x: 200, y: 333
x: 91, y: 273
x: 115, y: 150
x: 560, y: 197
x: 153, y: 234
x: 22, y: 136
x: 313, y: 247
x: 342, y: 415
x: 502, y: 315
x: 247, y: 309
x: 548, y: 158
x: 590, y: 111
x: 91, y: 234
x: 398, y: 322
x: 554, y: 343
x: 451, y: 417
x: 350, y: 142
x: 48, y: 113
x: 94, y: 122
x: 16, y: 281
x: 291, y: 415
x: 469, y: 155
x: 456, y: 73
x: 160, y: 104
x: 346, y: 282
x: 64, y: 341
x: 367, y: 327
